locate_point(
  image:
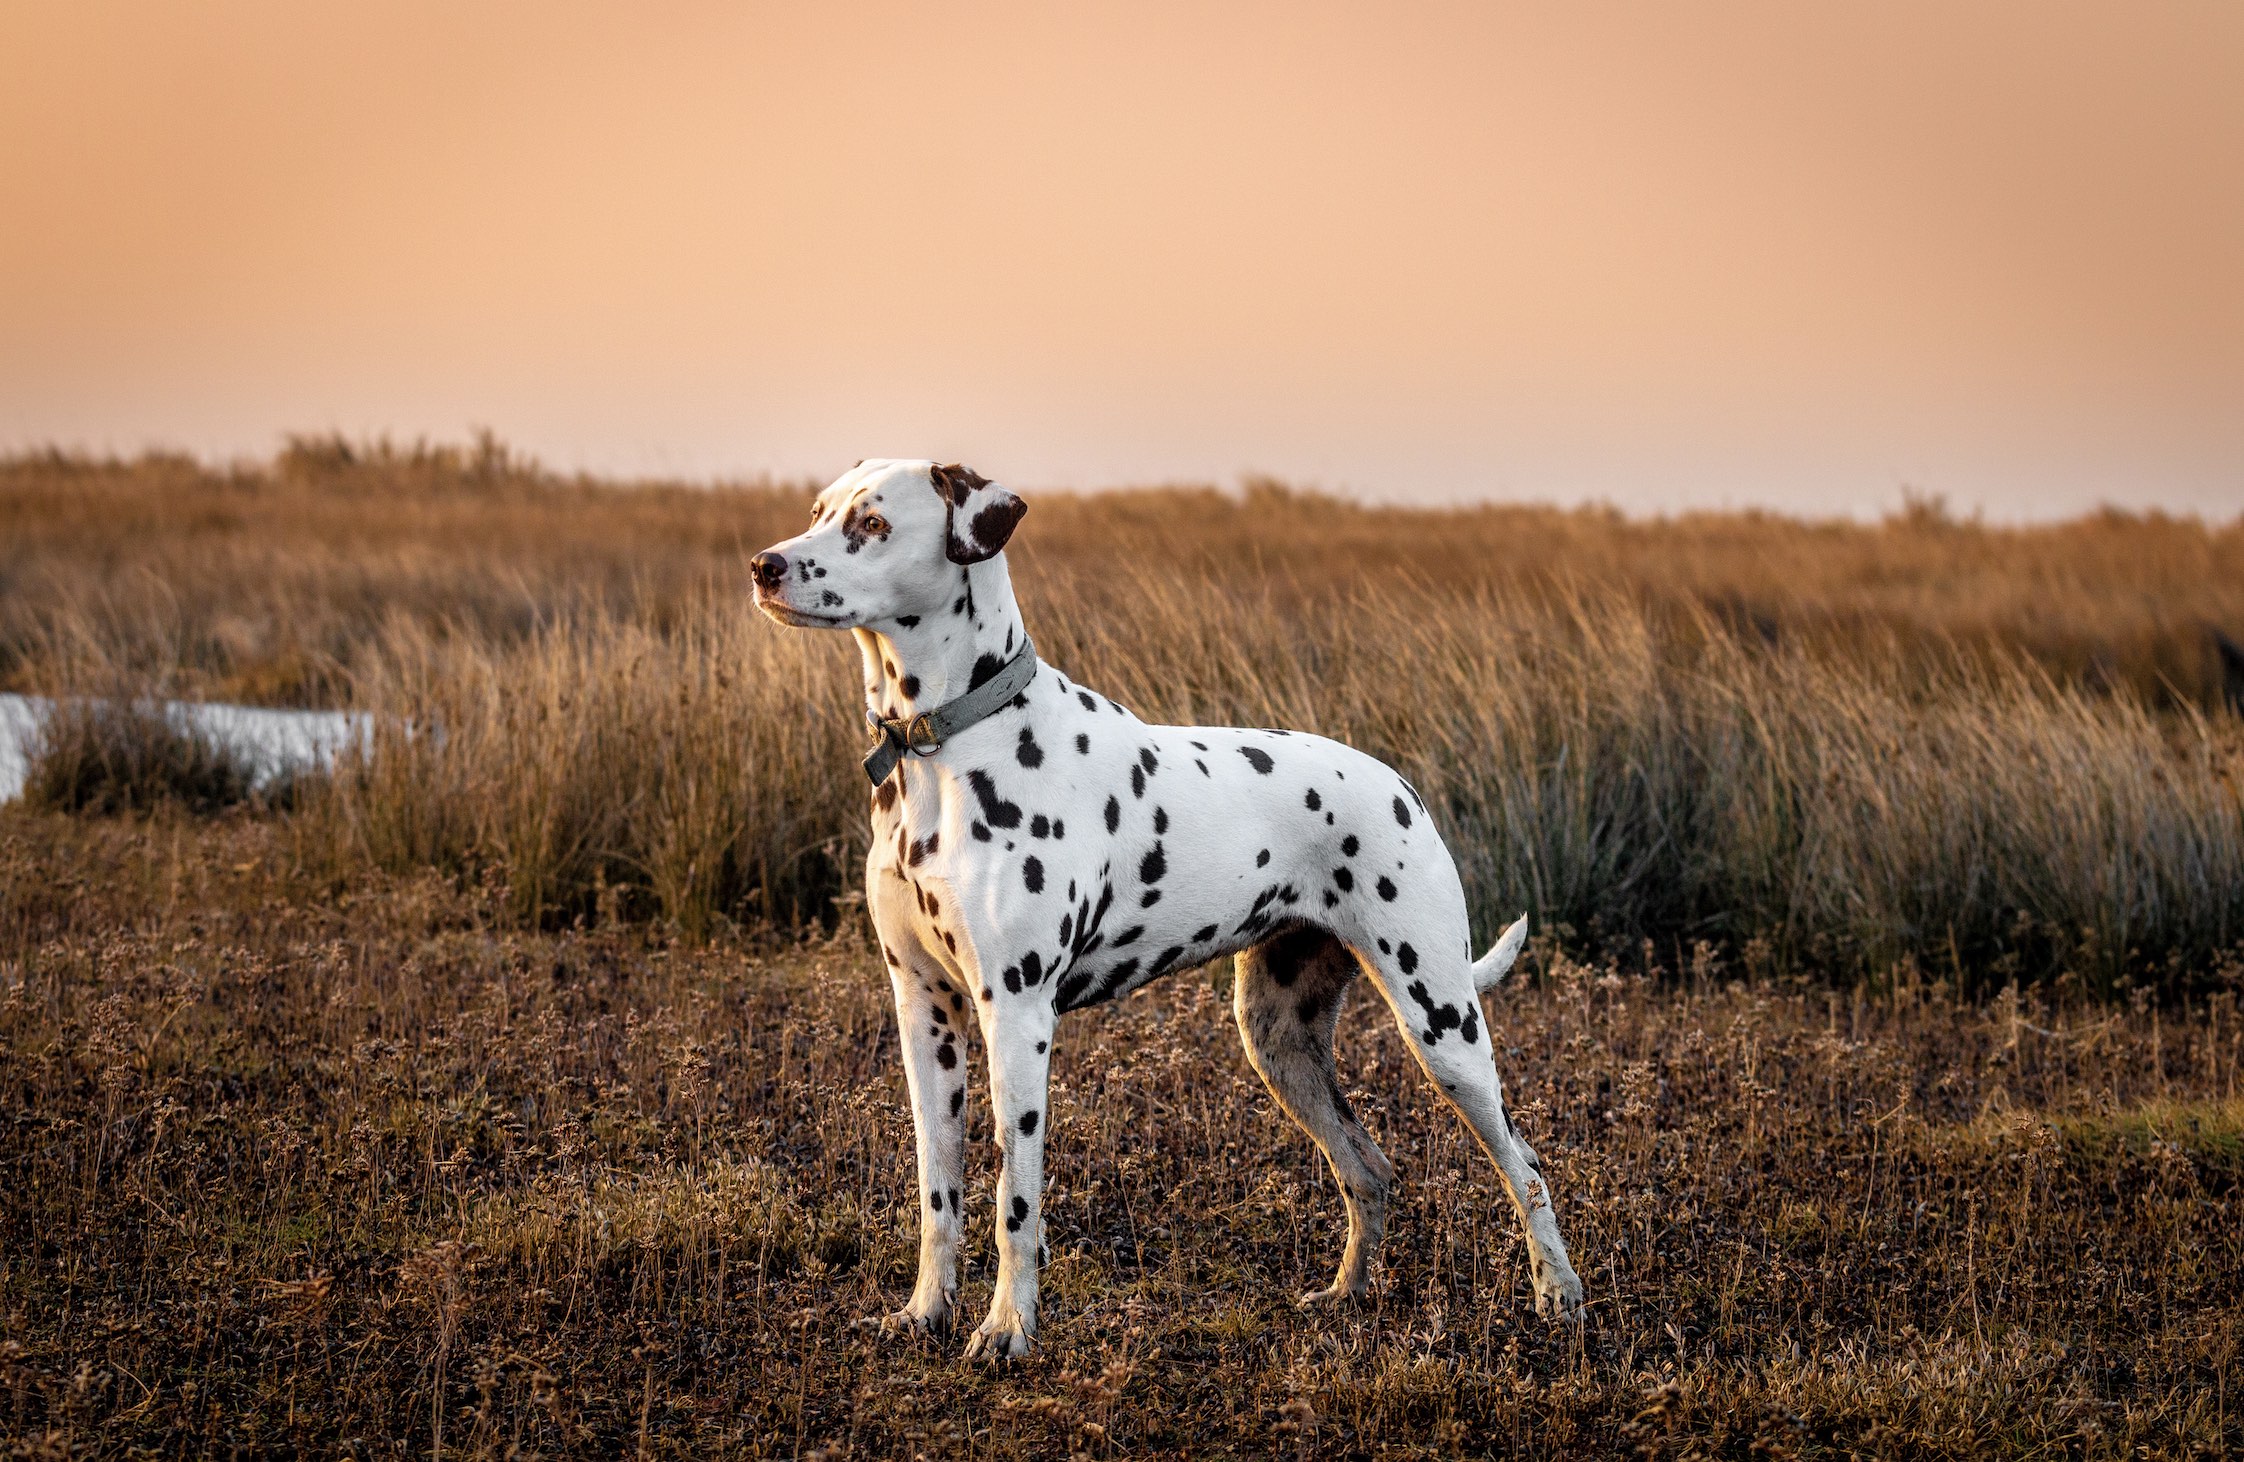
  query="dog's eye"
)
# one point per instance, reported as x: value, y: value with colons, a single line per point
x: 875, y: 523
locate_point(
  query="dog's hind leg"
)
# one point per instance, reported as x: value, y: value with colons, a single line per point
x: 1287, y: 994
x: 1435, y: 1003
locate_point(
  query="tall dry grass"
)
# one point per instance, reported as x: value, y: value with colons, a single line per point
x: 1622, y: 777
x: 263, y: 581
x: 1981, y: 752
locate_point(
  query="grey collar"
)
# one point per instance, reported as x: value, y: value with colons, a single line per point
x: 925, y: 733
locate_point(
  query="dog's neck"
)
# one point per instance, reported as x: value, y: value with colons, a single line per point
x: 912, y: 667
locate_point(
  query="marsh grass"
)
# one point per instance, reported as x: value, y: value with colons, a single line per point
x: 112, y: 755
x: 1621, y: 776
x: 388, y: 1172
x: 1984, y: 754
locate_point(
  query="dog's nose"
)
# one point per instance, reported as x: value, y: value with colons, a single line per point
x: 769, y: 567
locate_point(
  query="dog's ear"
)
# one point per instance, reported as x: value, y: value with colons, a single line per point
x: 982, y: 515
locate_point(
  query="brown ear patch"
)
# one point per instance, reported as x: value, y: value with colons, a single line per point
x: 955, y: 483
x: 995, y: 520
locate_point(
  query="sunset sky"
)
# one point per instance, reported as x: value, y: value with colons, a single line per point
x: 1662, y: 255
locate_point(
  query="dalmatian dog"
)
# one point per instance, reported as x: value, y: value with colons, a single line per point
x: 1058, y: 852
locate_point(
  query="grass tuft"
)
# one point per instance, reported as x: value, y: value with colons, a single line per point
x: 112, y: 756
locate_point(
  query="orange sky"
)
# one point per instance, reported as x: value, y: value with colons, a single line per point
x: 1663, y: 255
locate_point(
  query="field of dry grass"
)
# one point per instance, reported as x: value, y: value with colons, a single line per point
x: 528, y: 1087
x: 1993, y: 753
x: 385, y: 1173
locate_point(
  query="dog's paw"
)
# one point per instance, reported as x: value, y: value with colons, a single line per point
x: 999, y: 1338
x: 919, y: 1318
x: 1332, y: 1296
x: 1558, y: 1294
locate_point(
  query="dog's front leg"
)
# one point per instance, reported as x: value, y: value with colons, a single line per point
x: 930, y: 1022
x: 1017, y: 1029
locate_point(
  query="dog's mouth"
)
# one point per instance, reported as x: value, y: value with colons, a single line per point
x: 785, y: 613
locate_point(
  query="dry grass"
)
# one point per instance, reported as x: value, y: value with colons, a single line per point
x: 389, y: 1173
x: 1985, y: 754
x: 262, y: 583
x: 105, y: 755
x: 1623, y: 779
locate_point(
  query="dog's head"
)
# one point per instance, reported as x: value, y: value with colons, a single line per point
x: 885, y: 543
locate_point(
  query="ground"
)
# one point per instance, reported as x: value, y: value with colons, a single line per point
x: 363, y: 1168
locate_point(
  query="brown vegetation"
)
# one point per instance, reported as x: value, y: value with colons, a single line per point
x: 527, y: 1086
x: 390, y: 1173
x: 1991, y: 753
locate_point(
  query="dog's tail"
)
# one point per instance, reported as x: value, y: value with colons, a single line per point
x: 1492, y: 966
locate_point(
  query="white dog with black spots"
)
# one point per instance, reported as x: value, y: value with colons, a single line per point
x: 1061, y: 852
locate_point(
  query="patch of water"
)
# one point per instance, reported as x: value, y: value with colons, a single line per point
x: 273, y: 742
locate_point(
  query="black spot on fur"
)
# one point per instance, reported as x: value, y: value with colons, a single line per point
x: 1028, y: 753
x: 1028, y: 1122
x: 1018, y: 1216
x: 946, y: 1055
x: 1343, y: 880
x: 980, y: 831
x: 920, y: 850
x: 1152, y: 897
x: 1472, y: 1024
x: 1160, y: 820
x: 1203, y: 766
x: 1032, y: 968
x: 884, y: 796
x: 1205, y: 935
x: 1406, y: 957
x: 1439, y: 1018
x: 1113, y: 813
x: 911, y: 686
x: 1402, y: 812
x: 1032, y: 874
x: 1348, y: 846
x: 908, y: 621
x: 1257, y: 758
x: 996, y: 811
x: 1137, y: 781
x: 1148, y: 760
x: 1082, y: 743
x: 1129, y: 935
x: 958, y: 1101
x: 985, y: 670
x: 1089, y: 704
x: 1386, y: 888
x: 1262, y: 859
x: 1153, y: 865
x: 1040, y: 826
x: 1312, y: 801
